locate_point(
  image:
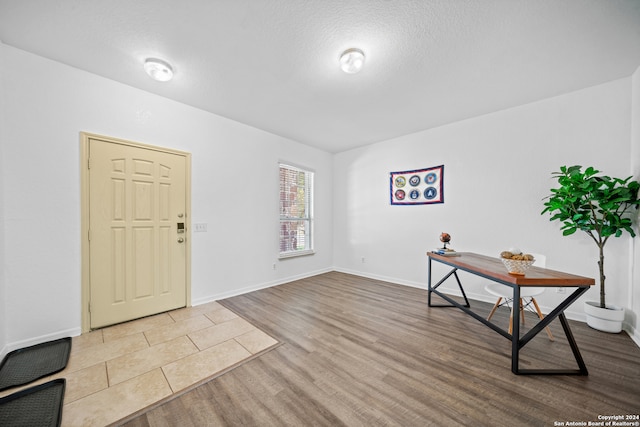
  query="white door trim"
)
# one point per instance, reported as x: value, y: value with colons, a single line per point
x: 84, y: 216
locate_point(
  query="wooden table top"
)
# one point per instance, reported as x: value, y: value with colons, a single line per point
x: 494, y: 268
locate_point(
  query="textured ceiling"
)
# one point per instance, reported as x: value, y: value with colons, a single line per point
x: 273, y: 64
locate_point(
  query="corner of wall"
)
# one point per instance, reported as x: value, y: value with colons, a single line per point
x: 3, y: 320
x: 634, y: 289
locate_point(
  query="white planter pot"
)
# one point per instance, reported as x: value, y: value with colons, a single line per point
x: 604, y: 319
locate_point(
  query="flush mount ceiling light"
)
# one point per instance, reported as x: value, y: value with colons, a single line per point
x: 352, y: 60
x: 158, y: 69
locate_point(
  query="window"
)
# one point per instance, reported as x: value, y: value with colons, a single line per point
x: 296, y: 211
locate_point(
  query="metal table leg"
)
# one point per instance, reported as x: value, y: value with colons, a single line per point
x: 518, y: 343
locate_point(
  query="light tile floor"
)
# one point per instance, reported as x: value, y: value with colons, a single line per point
x: 117, y: 371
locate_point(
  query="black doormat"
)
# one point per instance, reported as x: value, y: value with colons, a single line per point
x: 38, y: 406
x: 28, y: 364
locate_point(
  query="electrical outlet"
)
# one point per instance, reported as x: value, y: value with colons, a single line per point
x: 200, y: 227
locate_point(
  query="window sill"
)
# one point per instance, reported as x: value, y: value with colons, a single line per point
x: 286, y: 255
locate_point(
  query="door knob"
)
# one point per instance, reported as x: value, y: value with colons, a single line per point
x: 180, y: 240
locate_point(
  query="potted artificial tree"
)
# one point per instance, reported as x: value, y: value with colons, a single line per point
x: 601, y: 207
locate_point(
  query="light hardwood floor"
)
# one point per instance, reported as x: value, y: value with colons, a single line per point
x: 362, y: 352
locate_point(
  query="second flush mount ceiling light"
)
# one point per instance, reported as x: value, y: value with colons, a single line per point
x: 352, y: 60
x: 158, y: 69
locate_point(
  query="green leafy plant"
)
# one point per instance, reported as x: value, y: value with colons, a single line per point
x: 596, y: 204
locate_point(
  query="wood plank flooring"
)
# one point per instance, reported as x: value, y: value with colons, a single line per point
x: 362, y: 352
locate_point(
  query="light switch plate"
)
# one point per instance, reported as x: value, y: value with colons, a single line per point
x: 200, y: 227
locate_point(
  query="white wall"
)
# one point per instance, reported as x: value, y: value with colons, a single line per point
x: 497, y: 171
x: 633, y: 318
x: 3, y: 300
x: 234, y: 191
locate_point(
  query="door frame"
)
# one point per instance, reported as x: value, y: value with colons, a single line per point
x: 84, y: 217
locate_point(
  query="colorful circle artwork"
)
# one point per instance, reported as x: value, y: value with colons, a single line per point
x: 430, y: 193
x: 430, y: 178
x: 417, y: 186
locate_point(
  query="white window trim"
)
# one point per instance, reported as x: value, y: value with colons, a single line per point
x: 311, y: 250
x: 293, y: 254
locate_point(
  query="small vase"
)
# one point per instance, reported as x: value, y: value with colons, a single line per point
x: 607, y: 319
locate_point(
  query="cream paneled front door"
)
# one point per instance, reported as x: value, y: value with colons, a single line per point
x: 137, y: 232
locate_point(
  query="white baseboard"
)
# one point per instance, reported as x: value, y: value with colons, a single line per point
x: 74, y: 332
x: 409, y: 283
x: 633, y: 333
x: 256, y: 287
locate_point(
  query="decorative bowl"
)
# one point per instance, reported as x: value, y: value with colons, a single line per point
x: 517, y: 266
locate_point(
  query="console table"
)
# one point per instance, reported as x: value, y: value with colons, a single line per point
x: 493, y: 269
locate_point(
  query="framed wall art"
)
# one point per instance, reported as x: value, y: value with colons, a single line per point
x: 417, y: 187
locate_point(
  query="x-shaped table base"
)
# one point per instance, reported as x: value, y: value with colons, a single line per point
x: 517, y: 342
